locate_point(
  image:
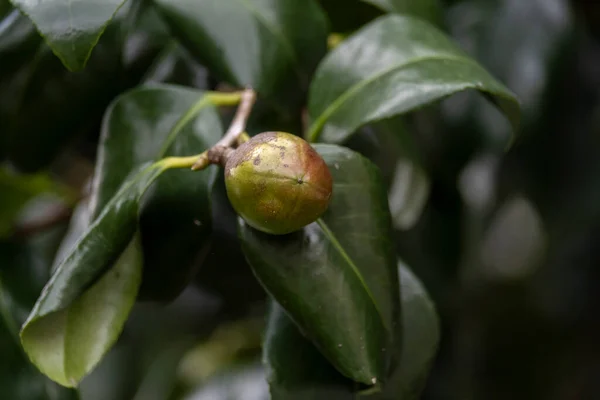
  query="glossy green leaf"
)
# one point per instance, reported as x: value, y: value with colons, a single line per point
x: 18, y: 44
x: 295, y: 368
x: 18, y: 378
x: 311, y: 376
x: 80, y: 220
x: 147, y: 37
x: 337, y: 277
x: 392, y: 66
x: 90, y: 291
x: 269, y: 45
x: 60, y: 318
x: 430, y: 10
x: 347, y: 16
x: 71, y: 28
x: 225, y: 270
x: 70, y: 342
x: 144, y: 125
x: 175, y: 65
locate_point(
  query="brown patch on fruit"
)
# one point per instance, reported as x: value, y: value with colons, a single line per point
x: 257, y: 160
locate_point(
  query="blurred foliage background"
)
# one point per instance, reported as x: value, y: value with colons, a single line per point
x: 508, y: 243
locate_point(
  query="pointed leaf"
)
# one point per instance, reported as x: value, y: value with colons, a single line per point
x: 268, y: 44
x: 392, y: 66
x: 71, y: 28
x: 56, y: 322
x: 35, y: 126
x: 311, y: 376
x: 90, y: 290
x: 429, y: 10
x: 295, y: 368
x: 70, y: 342
x: 337, y: 277
x: 144, y: 125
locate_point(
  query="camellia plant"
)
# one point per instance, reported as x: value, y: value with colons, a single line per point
x: 293, y: 178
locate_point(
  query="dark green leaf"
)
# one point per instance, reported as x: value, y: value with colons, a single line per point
x: 18, y: 44
x: 82, y: 309
x: 345, y: 16
x: 18, y: 379
x: 80, y: 220
x: 38, y: 119
x: 267, y: 44
x: 394, y: 65
x: 174, y: 65
x: 311, y: 376
x: 337, y: 277
x: 225, y: 269
x: 71, y: 29
x: 430, y: 10
x: 17, y: 190
x: 295, y: 368
x: 5, y: 7
x: 146, y: 37
x: 420, y: 338
x: 145, y: 125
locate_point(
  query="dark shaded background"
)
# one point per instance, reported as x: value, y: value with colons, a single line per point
x: 508, y: 244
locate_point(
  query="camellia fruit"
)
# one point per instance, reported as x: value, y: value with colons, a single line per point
x: 277, y: 182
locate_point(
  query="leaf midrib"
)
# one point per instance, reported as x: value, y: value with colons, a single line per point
x: 337, y: 245
x: 182, y: 122
x: 319, y: 123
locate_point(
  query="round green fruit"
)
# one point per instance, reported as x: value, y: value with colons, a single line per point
x: 277, y: 182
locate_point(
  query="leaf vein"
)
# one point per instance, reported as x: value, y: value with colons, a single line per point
x: 333, y: 107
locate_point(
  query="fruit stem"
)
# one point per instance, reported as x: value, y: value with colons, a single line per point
x: 235, y: 134
x: 236, y: 129
x: 182, y: 162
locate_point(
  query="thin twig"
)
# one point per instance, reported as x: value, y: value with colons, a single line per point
x: 237, y: 127
x: 238, y: 124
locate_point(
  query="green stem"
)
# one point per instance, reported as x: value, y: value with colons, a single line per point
x: 315, y: 129
x: 235, y: 133
x: 218, y: 99
x: 180, y: 162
